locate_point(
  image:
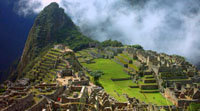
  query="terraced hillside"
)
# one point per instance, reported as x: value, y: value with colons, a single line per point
x: 87, y: 55
x: 118, y: 79
x: 147, y: 83
x: 119, y: 89
x: 45, y: 69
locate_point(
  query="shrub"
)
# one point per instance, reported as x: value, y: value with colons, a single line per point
x: 137, y: 46
x: 96, y: 75
x: 2, y: 90
x: 109, y: 42
x: 194, y: 107
x: 98, y: 84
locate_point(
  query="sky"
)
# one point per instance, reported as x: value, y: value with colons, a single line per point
x: 170, y: 26
x: 13, y: 32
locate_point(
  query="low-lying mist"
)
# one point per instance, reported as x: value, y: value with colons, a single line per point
x: 170, y: 26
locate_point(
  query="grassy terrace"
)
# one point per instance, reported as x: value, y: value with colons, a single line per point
x: 116, y: 89
x: 44, y: 68
x: 125, y: 56
x: 121, y: 60
x: 133, y: 66
x: 84, y: 53
x: 78, y: 54
x: 148, y: 76
x: 179, y: 80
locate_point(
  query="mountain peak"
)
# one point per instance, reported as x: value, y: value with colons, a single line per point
x: 52, y: 26
x: 44, y: 32
x: 52, y: 5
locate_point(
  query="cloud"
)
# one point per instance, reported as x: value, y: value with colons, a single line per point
x: 27, y: 7
x: 170, y: 26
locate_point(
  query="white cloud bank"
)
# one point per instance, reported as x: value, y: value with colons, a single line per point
x: 170, y: 26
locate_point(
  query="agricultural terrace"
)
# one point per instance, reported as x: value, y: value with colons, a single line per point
x: 44, y: 69
x: 116, y: 89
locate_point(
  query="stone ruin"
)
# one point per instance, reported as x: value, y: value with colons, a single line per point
x: 16, y: 96
x: 72, y: 90
x: 169, y: 70
x: 182, y: 95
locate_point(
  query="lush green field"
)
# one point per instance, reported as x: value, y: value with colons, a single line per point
x: 117, y: 89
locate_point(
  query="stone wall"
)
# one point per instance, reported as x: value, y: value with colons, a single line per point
x: 166, y: 108
x: 76, y: 88
x: 183, y: 82
x: 138, y: 64
x: 175, y: 77
x: 125, y: 59
x: 185, y: 103
x: 81, y: 98
x: 118, y: 106
x: 21, y: 104
x: 170, y: 95
x: 46, y: 85
x: 118, y: 61
x: 134, y: 86
x: 82, y: 82
x: 178, y: 102
x: 129, y: 72
x: 17, y: 88
x: 59, y: 91
x: 148, y: 87
x: 149, y: 81
x: 39, y: 106
x: 68, y: 99
x: 155, y: 69
x: 131, y: 68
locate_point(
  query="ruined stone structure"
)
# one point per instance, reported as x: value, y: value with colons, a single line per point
x: 69, y: 88
x: 170, y: 70
x: 184, y: 96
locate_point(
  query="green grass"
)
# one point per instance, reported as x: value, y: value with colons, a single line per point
x: 127, y: 70
x: 121, y: 60
x: 178, y: 80
x: 47, y: 64
x: 51, y: 55
x: 149, y: 91
x: 133, y: 66
x: 125, y: 83
x: 49, y: 58
x: 78, y: 54
x: 84, y: 53
x: 148, y: 76
x: 37, y: 99
x: 81, y: 60
x: 149, y: 79
x: 55, y: 52
x: 125, y: 56
x: 116, y: 89
x: 60, y: 67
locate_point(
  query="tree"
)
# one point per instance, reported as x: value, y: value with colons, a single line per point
x: 96, y: 75
x: 109, y: 42
x: 137, y: 46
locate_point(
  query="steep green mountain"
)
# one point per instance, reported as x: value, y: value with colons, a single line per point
x: 52, y: 26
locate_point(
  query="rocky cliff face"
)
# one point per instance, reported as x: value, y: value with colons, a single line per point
x: 51, y: 26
